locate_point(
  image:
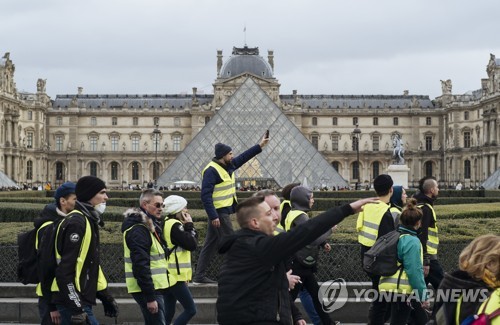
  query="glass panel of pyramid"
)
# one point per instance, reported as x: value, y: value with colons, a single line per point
x: 240, y: 123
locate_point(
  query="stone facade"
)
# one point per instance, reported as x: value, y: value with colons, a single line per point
x: 453, y: 137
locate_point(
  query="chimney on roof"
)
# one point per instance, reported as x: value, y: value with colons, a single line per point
x: 80, y: 90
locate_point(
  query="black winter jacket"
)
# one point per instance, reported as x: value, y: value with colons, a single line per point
x: 49, y: 213
x: 427, y: 221
x: 69, y: 243
x: 253, y: 286
x: 139, y: 242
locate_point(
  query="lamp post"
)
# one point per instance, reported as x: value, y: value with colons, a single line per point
x: 356, y: 134
x: 156, y: 134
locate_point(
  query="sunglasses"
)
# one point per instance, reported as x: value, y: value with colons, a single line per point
x: 158, y: 205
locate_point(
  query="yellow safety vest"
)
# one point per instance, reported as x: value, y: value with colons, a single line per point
x: 290, y: 217
x: 102, y: 283
x: 157, y: 265
x: 179, y: 261
x: 369, y: 221
x: 395, y: 283
x: 432, y: 233
x: 278, y: 231
x: 39, y: 286
x: 488, y: 307
x: 395, y: 212
x: 224, y: 194
x: 282, y: 205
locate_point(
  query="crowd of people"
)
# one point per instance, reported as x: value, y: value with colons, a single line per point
x: 269, y: 262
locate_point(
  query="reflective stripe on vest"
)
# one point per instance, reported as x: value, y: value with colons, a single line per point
x: 290, y: 217
x: 369, y: 221
x: 432, y: 233
x: 39, y: 286
x: 102, y: 283
x: 157, y: 264
x: 179, y: 261
x: 390, y: 283
x: 225, y: 192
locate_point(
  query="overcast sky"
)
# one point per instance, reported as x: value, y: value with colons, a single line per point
x: 320, y: 47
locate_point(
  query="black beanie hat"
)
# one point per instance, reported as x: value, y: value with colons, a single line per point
x: 87, y: 187
x: 221, y: 150
x: 382, y: 183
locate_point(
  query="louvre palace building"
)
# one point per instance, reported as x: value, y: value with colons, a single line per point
x: 329, y: 140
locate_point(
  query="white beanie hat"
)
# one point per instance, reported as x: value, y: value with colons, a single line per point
x: 174, y: 204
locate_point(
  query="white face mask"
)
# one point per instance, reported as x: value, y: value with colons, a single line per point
x: 101, y: 207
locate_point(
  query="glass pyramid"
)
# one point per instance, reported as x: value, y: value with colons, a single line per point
x: 240, y: 123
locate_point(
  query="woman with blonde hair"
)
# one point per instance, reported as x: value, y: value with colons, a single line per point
x: 477, y: 279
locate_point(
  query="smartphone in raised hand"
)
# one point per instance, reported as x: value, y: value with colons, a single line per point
x: 267, y: 134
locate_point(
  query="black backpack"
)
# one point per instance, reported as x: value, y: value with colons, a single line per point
x: 27, y: 266
x: 37, y: 265
x: 382, y: 257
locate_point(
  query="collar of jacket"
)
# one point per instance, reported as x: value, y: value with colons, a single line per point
x: 88, y: 210
x: 404, y: 230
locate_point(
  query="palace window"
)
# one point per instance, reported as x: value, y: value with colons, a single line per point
x: 335, y: 165
x: 467, y: 140
x: 467, y: 169
x: 354, y: 121
x: 59, y: 143
x: 314, y: 121
x: 93, y: 143
x: 466, y: 115
x: 355, y: 144
x: 355, y: 170
x: 334, y: 121
x: 428, y: 120
x: 428, y: 143
x: 135, y: 143
x: 114, y: 143
x: 93, y: 121
x: 114, y: 171
x: 395, y: 121
x: 29, y: 169
x: 135, y: 171
x: 176, y: 143
x: 428, y: 169
x: 375, y: 169
x: 135, y: 121
x: 30, y: 115
x: 207, y: 119
x: 335, y: 143
x: 315, y: 140
x: 156, y: 121
x: 59, y: 171
x: 59, y: 120
x: 376, y: 143
x: 114, y: 121
x: 375, y: 121
x: 93, y: 169
x: 177, y: 121
x: 29, y: 140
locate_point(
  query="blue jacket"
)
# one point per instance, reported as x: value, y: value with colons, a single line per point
x: 211, y: 178
x: 409, y: 251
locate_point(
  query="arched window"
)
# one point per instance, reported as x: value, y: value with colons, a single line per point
x: 114, y: 171
x: 375, y: 169
x: 467, y: 169
x: 314, y: 121
x: 59, y: 171
x: 336, y: 165
x: 29, y: 170
x: 355, y: 170
x: 135, y: 171
x: 93, y: 169
x: 428, y: 169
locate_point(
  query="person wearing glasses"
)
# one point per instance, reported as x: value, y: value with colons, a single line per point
x: 146, y: 274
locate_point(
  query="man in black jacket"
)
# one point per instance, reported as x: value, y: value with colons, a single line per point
x: 51, y: 215
x: 79, y: 276
x: 253, y: 286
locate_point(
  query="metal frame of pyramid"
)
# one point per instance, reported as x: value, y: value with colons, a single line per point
x: 240, y: 123
x: 492, y: 182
